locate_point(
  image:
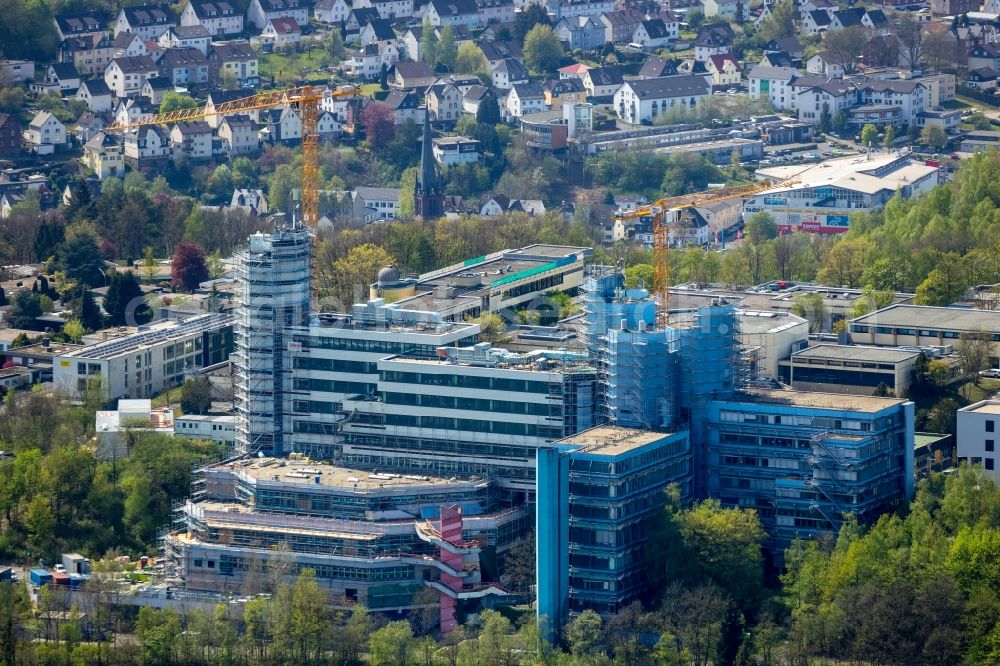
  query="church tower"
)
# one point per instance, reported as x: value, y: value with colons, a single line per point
x: 428, y: 201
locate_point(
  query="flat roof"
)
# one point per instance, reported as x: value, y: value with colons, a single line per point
x: 984, y: 407
x: 755, y: 321
x: 41, y: 349
x: 611, y: 440
x: 333, y: 476
x: 857, y: 353
x: 931, y: 317
x: 852, y: 403
x: 155, y: 334
x: 854, y: 172
x: 927, y: 438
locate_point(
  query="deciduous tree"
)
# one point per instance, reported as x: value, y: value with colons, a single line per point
x: 187, y: 266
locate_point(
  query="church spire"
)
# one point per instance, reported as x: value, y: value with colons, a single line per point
x: 428, y: 202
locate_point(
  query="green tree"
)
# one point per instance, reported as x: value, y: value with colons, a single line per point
x: 392, y: 645
x: 488, y: 112
x: 175, y: 101
x: 761, y: 227
x: 872, y: 300
x: 543, y: 52
x: 869, y: 136
x: 944, y: 285
x: 446, y: 49
x: 87, y: 313
x: 428, y: 43
x: 26, y: 309
x: 407, y: 186
x: 80, y: 258
x: 492, y: 327
x: 846, y: 262
x: 346, y: 281
x: 124, y: 301
x: 470, y: 60
x: 196, y: 395
x: 974, y: 349
x: 934, y: 136
x: 188, y: 268
x: 890, y: 137
x: 583, y: 635
x: 527, y: 19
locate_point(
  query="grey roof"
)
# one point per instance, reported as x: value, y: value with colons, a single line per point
x: 850, y: 17
x: 191, y: 31
x: 715, y: 34
x: 773, y: 73
x: 655, y: 67
x: 185, y: 57
x: 408, y: 69
x: 231, y: 51
x: 96, y: 87
x: 820, y: 17
x: 670, y: 86
x: 272, y: 6
x: 778, y: 58
x: 193, y: 127
x: 624, y: 17
x: 124, y: 39
x: 983, y: 74
x: 476, y: 93
x: 905, y: 87
x: 877, y: 17
x: 383, y: 29
x: 208, y: 9
x: 70, y: 24
x: 135, y: 64
x: 655, y: 28
x: 605, y: 76
x: 455, y: 7
x: 933, y: 318
x: 64, y: 70
x: 528, y: 90
x: 377, y: 193
x: 788, y: 44
x: 141, y: 15
x: 857, y: 353
x: 514, y: 69
x: 500, y: 50
x: 401, y: 99
x: 159, y: 83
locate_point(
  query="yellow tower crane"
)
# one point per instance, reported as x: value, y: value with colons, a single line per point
x: 307, y: 98
x: 661, y: 230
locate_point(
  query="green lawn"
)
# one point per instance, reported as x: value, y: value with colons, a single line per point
x: 288, y: 67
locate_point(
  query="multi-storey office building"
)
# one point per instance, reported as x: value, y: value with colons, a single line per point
x: 475, y: 410
x: 599, y: 493
x: 803, y: 460
x: 976, y: 435
x: 370, y: 537
x: 156, y: 357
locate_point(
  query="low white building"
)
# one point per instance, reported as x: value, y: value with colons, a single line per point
x: 45, y: 133
x: 976, y: 435
x: 221, y: 429
x: 453, y: 150
x: 117, y: 429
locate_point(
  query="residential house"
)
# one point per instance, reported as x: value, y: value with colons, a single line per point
x: 45, y: 133
x: 713, y: 39
x: 581, y: 32
x: 411, y: 75
x: 619, y: 26
x: 500, y: 204
x: 184, y: 67
x: 234, y: 59
x: 475, y: 96
x: 824, y: 64
x: 410, y: 44
x: 328, y: 126
x: 90, y: 123
x: 216, y: 98
x: 377, y: 30
x: 104, y: 154
x: 370, y: 204
x: 806, y: 6
x: 219, y: 17
x: 817, y: 21
x: 789, y: 44
x: 283, y: 32
x: 147, y: 148
x: 147, y: 21
x: 90, y: 54
x: 78, y: 25
x: 774, y: 85
x: 496, y: 52
x: 250, y: 200
x: 725, y: 70
x: 366, y: 63
x: 95, y: 94
x: 847, y: 18
x: 984, y: 78
x: 10, y: 135
x: 642, y: 100
x: 654, y: 67
x: 738, y: 10
x: 574, y: 71
x: 452, y: 12
x: 602, y: 82
x: 499, y: 12
x: 129, y: 45
x: 559, y: 92
x: 281, y: 125
x: 525, y: 98
x: 128, y: 109
x: 940, y: 89
x: 655, y: 33
x: 155, y: 88
x: 125, y: 76
x: 444, y: 103
x: 192, y: 140
x: 984, y: 55
x: 16, y: 71
x: 461, y: 81
x: 508, y: 73
x: 455, y: 150
x: 571, y: 9
x: 389, y: 9
x: 405, y: 105
x: 331, y: 12
x: 60, y: 77
x: 777, y: 59
x: 186, y: 37
x: 876, y: 21
x: 262, y: 11
x: 358, y: 18
x: 239, y: 135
